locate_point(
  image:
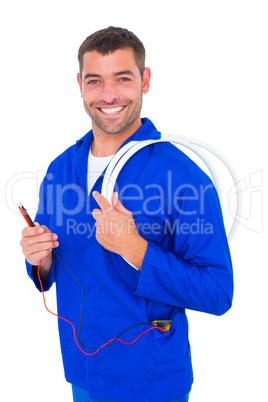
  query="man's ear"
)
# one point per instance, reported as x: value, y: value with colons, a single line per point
x: 146, y: 80
x: 79, y: 80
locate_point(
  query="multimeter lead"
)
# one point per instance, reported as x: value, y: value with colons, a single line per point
x: 25, y: 215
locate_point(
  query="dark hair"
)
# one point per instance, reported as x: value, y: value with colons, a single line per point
x: 110, y: 39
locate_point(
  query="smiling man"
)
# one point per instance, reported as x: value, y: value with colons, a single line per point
x: 112, y: 86
x: 168, y: 267
x: 113, y: 98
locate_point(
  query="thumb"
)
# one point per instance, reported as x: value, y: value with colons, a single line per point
x: 118, y: 206
x: 46, y: 230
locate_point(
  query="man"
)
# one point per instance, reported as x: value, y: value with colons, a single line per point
x: 165, y: 220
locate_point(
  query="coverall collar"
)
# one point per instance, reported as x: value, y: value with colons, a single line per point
x: 146, y: 131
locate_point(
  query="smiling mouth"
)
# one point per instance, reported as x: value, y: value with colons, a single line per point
x: 112, y: 110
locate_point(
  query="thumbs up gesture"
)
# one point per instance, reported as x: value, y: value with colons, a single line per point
x: 116, y: 230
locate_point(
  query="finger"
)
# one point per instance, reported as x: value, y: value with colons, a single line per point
x: 96, y: 212
x: 118, y: 205
x: 34, y: 259
x: 35, y: 230
x: 102, y: 202
x: 32, y: 231
x: 37, y: 252
x: 42, y: 238
x: 39, y: 247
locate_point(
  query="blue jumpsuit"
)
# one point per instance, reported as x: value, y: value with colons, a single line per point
x: 187, y: 265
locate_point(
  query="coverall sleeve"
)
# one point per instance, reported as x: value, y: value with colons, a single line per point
x: 197, y: 272
x: 43, y: 218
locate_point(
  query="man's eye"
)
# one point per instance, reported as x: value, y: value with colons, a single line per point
x: 124, y: 79
x: 93, y: 82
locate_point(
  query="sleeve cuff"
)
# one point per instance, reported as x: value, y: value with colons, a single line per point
x: 32, y: 272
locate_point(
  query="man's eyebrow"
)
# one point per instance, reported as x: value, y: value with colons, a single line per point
x: 126, y: 72
x: 91, y: 76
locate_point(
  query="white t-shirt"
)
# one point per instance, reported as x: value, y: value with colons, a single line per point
x: 96, y: 165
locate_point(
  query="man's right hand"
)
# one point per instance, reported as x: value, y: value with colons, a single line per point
x: 37, y: 244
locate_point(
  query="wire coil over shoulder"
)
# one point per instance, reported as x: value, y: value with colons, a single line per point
x: 125, y: 153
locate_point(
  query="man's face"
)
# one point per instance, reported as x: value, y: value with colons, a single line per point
x: 112, y: 87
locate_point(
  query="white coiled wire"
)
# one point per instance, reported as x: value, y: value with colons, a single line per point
x: 125, y: 153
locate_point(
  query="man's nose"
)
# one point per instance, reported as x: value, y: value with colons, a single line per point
x: 109, y: 93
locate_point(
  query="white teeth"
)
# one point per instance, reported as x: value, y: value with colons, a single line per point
x: 112, y: 110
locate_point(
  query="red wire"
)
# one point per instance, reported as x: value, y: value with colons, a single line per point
x: 88, y: 354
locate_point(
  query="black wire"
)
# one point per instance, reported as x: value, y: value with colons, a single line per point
x: 81, y: 308
x: 25, y: 213
x: 83, y: 299
x: 115, y: 339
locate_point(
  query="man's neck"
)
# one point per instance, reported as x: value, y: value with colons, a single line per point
x: 104, y: 144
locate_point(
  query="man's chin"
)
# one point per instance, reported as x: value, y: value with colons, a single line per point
x: 112, y: 128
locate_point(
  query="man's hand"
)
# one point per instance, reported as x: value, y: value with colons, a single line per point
x: 37, y: 244
x: 116, y: 230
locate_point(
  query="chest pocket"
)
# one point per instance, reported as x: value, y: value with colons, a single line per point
x: 150, y: 228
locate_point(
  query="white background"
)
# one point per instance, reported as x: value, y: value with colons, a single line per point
x: 209, y: 81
